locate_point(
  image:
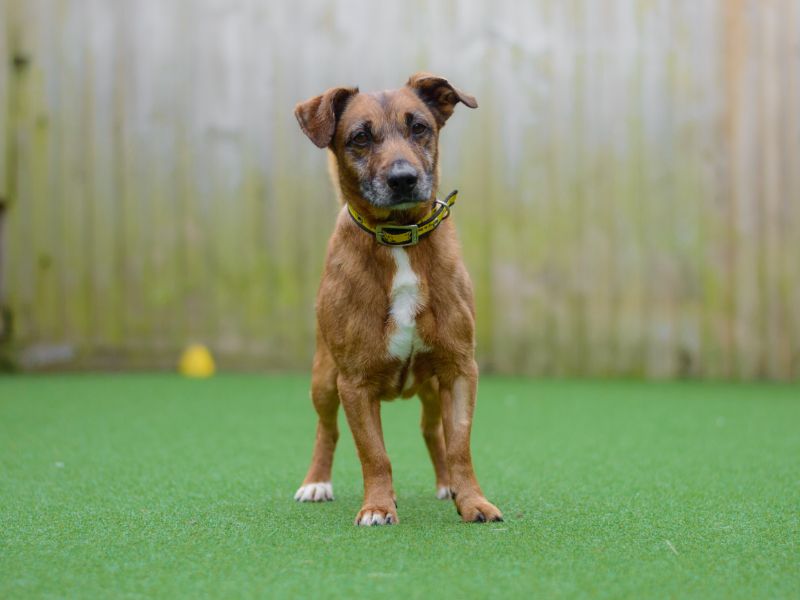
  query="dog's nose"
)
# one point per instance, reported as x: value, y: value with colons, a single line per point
x: 402, y: 177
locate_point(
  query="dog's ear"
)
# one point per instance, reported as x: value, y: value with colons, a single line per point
x: 318, y: 116
x: 440, y: 96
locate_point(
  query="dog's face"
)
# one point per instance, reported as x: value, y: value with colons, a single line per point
x: 385, y: 143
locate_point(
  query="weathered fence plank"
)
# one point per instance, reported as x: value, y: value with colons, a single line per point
x: 790, y: 181
x: 630, y: 197
x: 5, y: 97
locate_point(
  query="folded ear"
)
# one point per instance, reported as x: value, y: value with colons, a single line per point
x: 439, y: 95
x: 318, y: 116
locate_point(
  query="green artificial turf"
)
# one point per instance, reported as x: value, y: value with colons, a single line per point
x: 153, y: 485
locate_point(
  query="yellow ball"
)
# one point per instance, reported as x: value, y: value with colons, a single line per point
x: 196, y: 361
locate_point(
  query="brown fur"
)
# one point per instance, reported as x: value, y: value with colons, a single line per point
x: 352, y: 364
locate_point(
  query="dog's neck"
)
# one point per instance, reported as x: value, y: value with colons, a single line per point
x: 377, y: 215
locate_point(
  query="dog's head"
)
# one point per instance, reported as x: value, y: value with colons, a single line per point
x: 385, y: 143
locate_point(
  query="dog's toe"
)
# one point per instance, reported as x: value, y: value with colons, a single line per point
x: 315, y: 492
x: 375, y: 516
x: 369, y: 518
x: 478, y: 510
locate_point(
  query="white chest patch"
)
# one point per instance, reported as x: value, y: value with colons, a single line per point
x: 404, y: 339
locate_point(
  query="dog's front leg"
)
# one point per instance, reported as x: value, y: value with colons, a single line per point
x: 362, y: 409
x: 457, y: 391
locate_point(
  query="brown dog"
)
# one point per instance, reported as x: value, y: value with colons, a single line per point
x: 395, y: 312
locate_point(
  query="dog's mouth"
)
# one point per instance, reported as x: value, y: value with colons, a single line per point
x: 378, y: 193
x: 405, y: 201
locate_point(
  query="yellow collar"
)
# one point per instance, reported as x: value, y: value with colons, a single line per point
x: 407, y: 235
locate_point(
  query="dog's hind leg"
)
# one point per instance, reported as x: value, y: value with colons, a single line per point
x: 433, y: 433
x: 317, y: 485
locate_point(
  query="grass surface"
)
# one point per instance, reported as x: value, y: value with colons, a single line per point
x: 159, y: 486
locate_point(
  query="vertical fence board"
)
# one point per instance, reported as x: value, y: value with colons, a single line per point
x: 597, y: 169
x: 790, y: 183
x: 106, y: 281
x: 747, y: 173
x: 20, y: 267
x: 657, y: 217
x: 692, y: 176
x: 74, y: 122
x: 725, y: 38
x: 629, y: 194
x: 5, y: 96
x: 775, y: 216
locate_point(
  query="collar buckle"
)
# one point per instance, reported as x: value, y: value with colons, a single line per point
x: 445, y: 204
x: 380, y: 233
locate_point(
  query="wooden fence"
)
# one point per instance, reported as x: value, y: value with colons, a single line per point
x: 630, y: 186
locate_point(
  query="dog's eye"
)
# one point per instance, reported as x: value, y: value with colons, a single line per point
x: 360, y: 139
x: 419, y: 128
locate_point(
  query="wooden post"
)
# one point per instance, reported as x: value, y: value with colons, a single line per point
x: 8, y: 63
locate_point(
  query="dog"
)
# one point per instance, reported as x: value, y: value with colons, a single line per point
x: 395, y: 308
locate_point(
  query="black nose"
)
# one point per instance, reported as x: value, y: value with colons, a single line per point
x: 402, y: 177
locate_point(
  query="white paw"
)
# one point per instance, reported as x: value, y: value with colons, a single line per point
x: 315, y: 492
x: 370, y: 518
x: 443, y: 493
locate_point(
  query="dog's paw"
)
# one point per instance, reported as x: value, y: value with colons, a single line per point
x: 315, y: 492
x: 478, y: 510
x: 443, y: 493
x: 371, y: 515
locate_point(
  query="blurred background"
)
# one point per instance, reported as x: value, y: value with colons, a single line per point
x: 630, y: 186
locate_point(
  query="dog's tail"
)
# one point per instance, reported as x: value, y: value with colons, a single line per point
x: 333, y: 171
